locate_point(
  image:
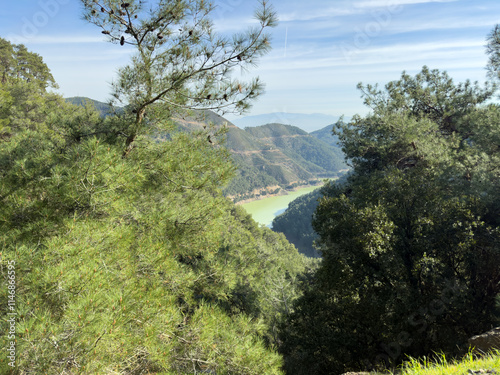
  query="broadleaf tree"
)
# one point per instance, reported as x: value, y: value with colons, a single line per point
x: 410, y: 243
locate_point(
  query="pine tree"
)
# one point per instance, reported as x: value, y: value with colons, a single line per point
x: 137, y: 264
x: 180, y: 61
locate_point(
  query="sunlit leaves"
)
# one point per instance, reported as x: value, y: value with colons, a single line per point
x: 410, y: 242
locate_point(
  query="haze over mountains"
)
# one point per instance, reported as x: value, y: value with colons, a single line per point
x: 307, y: 122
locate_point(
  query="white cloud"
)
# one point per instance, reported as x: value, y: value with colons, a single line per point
x: 365, y: 4
x: 448, y: 23
x: 311, y: 15
x: 301, y: 57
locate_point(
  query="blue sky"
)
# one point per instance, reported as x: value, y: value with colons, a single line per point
x: 321, y: 48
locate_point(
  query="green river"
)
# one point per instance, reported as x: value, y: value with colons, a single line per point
x: 265, y: 210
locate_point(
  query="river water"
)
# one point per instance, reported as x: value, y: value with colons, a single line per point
x: 265, y: 210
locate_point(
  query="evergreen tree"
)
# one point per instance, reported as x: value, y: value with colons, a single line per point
x: 133, y: 264
x: 493, y: 51
x: 17, y: 63
x: 410, y: 245
x: 180, y: 61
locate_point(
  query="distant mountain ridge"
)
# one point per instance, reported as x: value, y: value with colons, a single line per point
x: 270, y: 158
x: 307, y: 122
x: 104, y: 108
x: 273, y: 157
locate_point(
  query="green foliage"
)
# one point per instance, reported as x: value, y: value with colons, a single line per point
x: 296, y: 223
x: 470, y: 363
x: 18, y: 64
x: 24, y: 78
x: 493, y: 51
x: 121, y: 260
x: 180, y: 61
x: 6, y: 102
x: 132, y: 262
x: 411, y: 244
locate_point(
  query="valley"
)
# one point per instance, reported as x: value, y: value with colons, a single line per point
x: 270, y: 159
x: 264, y: 210
x: 136, y: 235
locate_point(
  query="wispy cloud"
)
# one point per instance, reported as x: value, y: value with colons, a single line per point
x: 384, y: 37
x: 315, y: 14
x: 367, y: 4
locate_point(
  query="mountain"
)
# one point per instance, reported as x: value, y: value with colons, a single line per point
x: 307, y: 122
x: 104, y: 108
x: 314, y: 155
x: 325, y: 135
x: 269, y: 158
x: 277, y: 157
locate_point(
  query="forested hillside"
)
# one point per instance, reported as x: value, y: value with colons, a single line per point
x: 325, y: 135
x: 284, y: 155
x: 103, y: 108
x: 268, y: 158
x: 296, y: 222
x: 122, y: 253
x: 302, y: 147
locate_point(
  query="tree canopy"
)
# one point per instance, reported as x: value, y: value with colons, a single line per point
x: 131, y: 264
x: 180, y: 61
x: 17, y: 63
x: 411, y: 256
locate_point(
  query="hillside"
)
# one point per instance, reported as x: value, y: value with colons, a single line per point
x: 103, y: 108
x: 269, y: 158
x: 325, y: 135
x: 286, y: 155
x: 315, y: 155
x: 296, y: 223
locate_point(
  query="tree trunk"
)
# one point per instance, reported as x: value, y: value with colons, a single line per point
x: 129, y: 144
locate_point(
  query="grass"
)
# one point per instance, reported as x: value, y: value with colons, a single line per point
x: 441, y: 366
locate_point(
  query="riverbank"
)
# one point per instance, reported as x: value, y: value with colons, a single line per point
x: 282, y: 192
x: 264, y: 210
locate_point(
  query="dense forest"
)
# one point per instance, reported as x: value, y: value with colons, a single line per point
x: 296, y: 222
x: 124, y: 253
x: 411, y: 243
x: 121, y: 254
